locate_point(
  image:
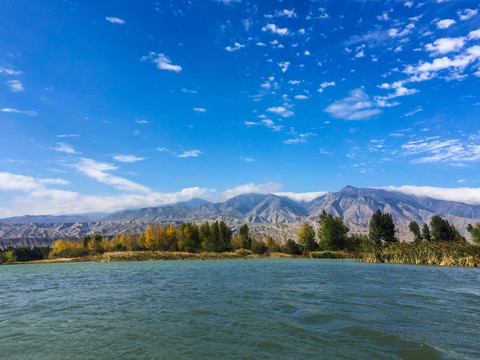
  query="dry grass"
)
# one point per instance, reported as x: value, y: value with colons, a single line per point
x: 425, y: 253
x: 331, y: 255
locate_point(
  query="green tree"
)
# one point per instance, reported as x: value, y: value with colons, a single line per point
x: 245, y: 239
x: 225, y: 235
x: 426, y: 233
x: 306, y: 237
x: 415, y: 230
x: 475, y: 232
x: 442, y: 230
x: 86, y: 241
x: 332, y: 232
x: 291, y: 247
x: 381, y: 228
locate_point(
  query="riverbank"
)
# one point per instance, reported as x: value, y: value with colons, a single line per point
x: 424, y: 253
x: 119, y: 256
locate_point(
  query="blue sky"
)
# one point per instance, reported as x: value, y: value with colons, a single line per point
x: 119, y: 104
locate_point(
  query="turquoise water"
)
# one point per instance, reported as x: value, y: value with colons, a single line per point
x: 239, y: 309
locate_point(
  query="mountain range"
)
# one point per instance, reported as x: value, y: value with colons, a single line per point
x: 264, y: 213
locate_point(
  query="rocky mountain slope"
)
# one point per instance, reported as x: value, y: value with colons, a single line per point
x: 276, y: 215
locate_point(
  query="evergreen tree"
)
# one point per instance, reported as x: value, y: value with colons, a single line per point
x: 332, y: 232
x: 381, y: 228
x: 475, y: 232
x: 225, y: 235
x: 245, y: 239
x: 442, y: 230
x: 415, y: 229
x: 426, y: 233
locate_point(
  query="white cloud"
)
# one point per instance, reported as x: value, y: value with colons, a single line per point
x: 299, y: 139
x: 128, y: 158
x: 458, y: 63
x: 275, y: 30
x: 280, y: 110
x: 301, y: 97
x: 189, y: 153
x: 9, y: 71
x: 383, y: 17
x: 15, y: 86
x: 228, y: 2
x: 246, y: 159
x: 445, y: 23
x: 436, y: 150
x: 67, y: 135
x: 235, y: 47
x: 285, y: 13
x: 357, y: 106
x: 324, y: 85
x: 65, y: 148
x: 61, y: 202
x: 475, y: 34
x: 199, y: 109
x: 11, y: 182
x: 15, y: 111
x: 185, y: 90
x: 396, y: 32
x: 162, y: 62
x: 466, y: 14
x: 267, y: 188
x: 464, y: 194
x: 115, y: 20
x: 284, y: 65
x: 101, y: 172
x: 141, y: 121
x: 445, y: 45
x: 307, y: 196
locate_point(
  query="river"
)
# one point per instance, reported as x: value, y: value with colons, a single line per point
x: 239, y: 309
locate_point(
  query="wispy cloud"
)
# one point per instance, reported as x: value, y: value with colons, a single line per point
x: 436, y: 150
x: 357, y: 106
x: 463, y: 194
x: 9, y: 71
x: 199, y: 109
x: 67, y: 135
x: 115, y: 20
x: 236, y: 46
x: 189, y: 153
x: 299, y: 138
x: 65, y: 148
x: 100, y: 171
x: 466, y: 14
x: 251, y: 188
x: 16, y: 111
x: 162, y: 61
x: 15, y: 86
x: 306, y: 196
x: 11, y: 182
x: 128, y: 158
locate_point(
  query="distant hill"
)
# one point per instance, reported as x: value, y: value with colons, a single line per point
x: 276, y: 215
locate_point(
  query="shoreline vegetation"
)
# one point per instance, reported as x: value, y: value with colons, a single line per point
x: 438, y: 244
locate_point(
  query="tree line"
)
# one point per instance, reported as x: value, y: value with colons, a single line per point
x: 332, y: 234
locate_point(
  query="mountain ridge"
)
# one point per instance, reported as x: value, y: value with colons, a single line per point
x: 264, y: 213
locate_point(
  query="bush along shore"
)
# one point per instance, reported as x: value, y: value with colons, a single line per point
x: 439, y: 243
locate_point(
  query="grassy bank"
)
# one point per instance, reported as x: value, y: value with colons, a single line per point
x: 424, y: 253
x: 328, y: 254
x: 117, y: 256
